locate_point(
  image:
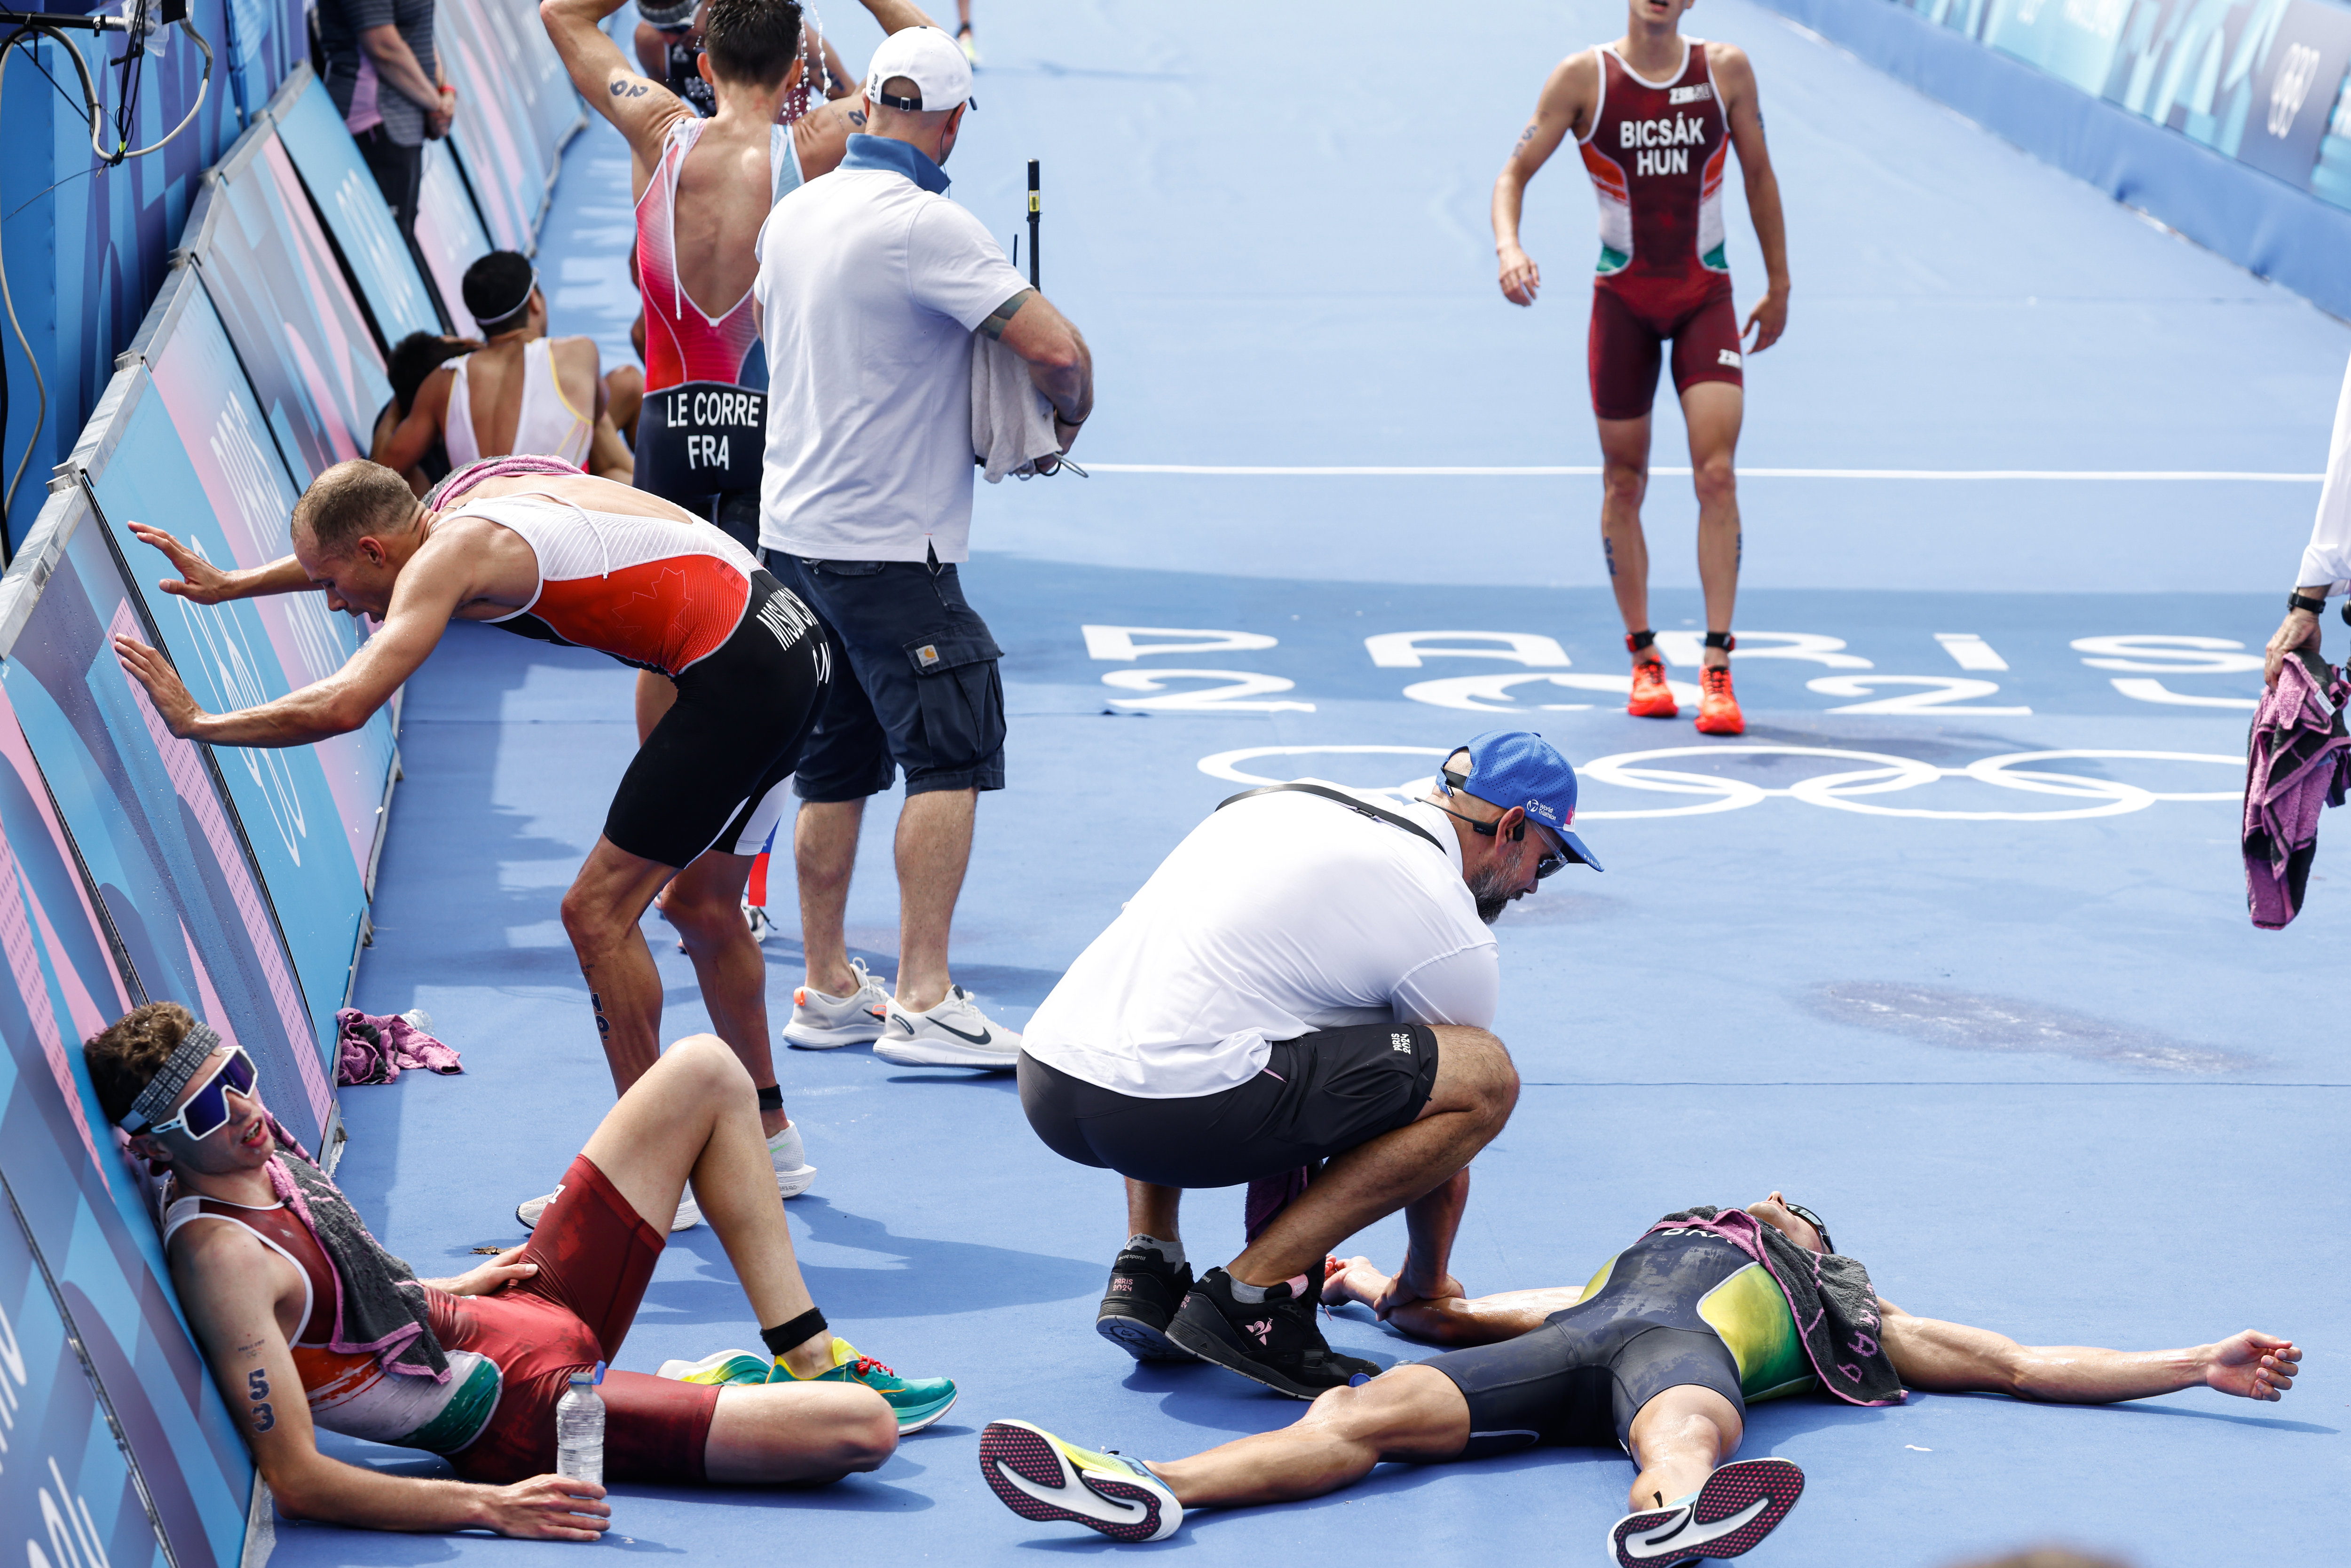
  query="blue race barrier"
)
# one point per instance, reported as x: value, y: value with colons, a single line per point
x: 2217, y: 120
x: 207, y: 471
x: 352, y: 207
x: 450, y: 234
x: 159, y: 836
x: 88, y: 1237
x: 299, y: 330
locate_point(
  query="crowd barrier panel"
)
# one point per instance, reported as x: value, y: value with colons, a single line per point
x: 2228, y: 121
x: 352, y: 207
x: 193, y: 458
x: 450, y: 234
x: 125, y: 1421
x: 516, y: 110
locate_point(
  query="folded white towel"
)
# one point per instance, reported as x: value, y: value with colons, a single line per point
x: 1011, y: 421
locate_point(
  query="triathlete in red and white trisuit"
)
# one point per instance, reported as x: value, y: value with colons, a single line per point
x: 1655, y: 116
x: 685, y: 342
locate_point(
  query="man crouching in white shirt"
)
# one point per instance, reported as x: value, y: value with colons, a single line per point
x: 1309, y: 977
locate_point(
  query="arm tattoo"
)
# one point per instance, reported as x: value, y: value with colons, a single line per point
x: 1002, y: 316
x: 857, y: 118
x: 1526, y: 136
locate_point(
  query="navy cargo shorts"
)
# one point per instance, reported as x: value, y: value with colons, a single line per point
x: 915, y: 682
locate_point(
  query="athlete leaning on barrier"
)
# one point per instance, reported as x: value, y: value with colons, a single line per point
x: 1659, y: 1354
x: 307, y: 1322
x: 2326, y: 561
x: 525, y: 545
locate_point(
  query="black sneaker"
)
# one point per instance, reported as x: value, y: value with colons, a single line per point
x: 1276, y: 1343
x: 1142, y: 1295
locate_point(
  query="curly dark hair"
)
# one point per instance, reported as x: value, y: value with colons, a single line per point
x: 127, y: 1053
x: 751, y: 41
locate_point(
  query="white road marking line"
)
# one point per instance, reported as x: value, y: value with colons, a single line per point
x: 1971, y: 651
x: 2108, y: 476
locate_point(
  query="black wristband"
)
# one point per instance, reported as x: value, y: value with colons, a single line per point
x: 2306, y: 604
x: 799, y: 1332
x: 771, y: 1098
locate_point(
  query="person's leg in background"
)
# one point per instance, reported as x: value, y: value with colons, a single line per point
x: 1623, y: 358
x: 1713, y: 410
x: 1150, y: 1278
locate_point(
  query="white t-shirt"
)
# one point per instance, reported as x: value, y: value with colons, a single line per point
x: 1276, y: 916
x: 2328, y: 558
x: 869, y: 288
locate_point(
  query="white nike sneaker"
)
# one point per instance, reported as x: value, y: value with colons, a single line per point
x: 689, y: 1213
x: 530, y: 1208
x: 820, y: 1023
x: 1736, y: 1509
x: 788, y: 1154
x: 1037, y: 1475
x: 953, y: 1034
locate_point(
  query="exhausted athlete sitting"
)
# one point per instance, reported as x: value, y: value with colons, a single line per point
x: 556, y: 555
x: 1659, y: 1354
x: 305, y: 1319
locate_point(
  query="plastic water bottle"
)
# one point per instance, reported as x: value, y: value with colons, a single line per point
x: 579, y: 1429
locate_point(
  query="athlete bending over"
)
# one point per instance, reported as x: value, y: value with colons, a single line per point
x: 305, y: 1320
x: 561, y: 557
x: 1654, y: 114
x: 1660, y: 1352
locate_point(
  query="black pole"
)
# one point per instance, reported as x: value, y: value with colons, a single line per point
x: 1032, y: 223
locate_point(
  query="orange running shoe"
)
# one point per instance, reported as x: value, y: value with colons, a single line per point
x: 1718, y: 709
x: 1652, y: 698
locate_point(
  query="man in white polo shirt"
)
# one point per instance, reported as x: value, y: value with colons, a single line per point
x: 1309, y: 977
x: 870, y: 286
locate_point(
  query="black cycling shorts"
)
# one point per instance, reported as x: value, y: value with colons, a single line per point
x: 712, y: 774
x: 1320, y: 1094
x: 1582, y: 1377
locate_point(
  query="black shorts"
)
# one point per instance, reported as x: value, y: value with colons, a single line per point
x: 1321, y: 1094
x: 915, y: 680
x: 1582, y: 1377
x: 711, y: 775
x: 699, y: 447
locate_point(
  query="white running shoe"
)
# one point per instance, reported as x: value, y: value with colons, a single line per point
x: 953, y: 1034
x: 688, y: 1215
x: 820, y: 1023
x: 788, y: 1154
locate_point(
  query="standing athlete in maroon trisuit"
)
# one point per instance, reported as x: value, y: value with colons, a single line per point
x: 1655, y: 115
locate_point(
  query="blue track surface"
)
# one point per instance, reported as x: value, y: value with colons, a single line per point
x: 2040, y: 1075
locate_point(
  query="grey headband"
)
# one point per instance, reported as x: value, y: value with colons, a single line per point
x: 486, y: 322
x: 155, y: 1099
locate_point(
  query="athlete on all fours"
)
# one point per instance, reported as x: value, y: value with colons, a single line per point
x: 1654, y: 114
x: 1658, y: 1354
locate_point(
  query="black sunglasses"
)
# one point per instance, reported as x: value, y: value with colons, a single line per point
x: 1551, y: 861
x: 206, y: 1111
x: 1809, y: 1217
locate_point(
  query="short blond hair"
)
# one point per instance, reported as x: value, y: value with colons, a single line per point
x: 351, y: 501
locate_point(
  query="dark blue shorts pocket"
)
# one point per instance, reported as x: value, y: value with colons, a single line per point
x: 962, y: 697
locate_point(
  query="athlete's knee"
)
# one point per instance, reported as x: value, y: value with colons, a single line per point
x: 1411, y: 1411
x: 709, y: 1062
x: 1716, y: 480
x: 704, y: 919
x: 1624, y: 483
x: 866, y: 1441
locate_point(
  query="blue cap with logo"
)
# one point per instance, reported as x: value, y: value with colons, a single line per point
x: 1519, y: 767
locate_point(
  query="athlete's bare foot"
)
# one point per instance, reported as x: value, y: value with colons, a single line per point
x: 1355, y: 1279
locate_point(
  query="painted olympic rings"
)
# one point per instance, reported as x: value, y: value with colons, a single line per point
x: 1882, y: 774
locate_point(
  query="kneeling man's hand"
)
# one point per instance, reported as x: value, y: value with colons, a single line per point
x: 549, y: 1508
x: 1403, y: 1290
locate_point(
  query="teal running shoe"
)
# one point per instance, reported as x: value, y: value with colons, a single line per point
x: 720, y: 1369
x: 917, y: 1401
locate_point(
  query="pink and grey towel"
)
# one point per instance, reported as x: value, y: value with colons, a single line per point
x: 371, y: 1050
x: 2297, y: 762
x: 448, y: 493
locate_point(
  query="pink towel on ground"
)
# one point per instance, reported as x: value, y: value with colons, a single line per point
x: 371, y: 1050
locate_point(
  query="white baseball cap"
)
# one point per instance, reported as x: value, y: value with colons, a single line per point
x: 927, y: 58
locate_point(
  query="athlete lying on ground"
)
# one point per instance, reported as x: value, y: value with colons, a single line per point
x: 304, y: 1317
x: 1659, y: 1353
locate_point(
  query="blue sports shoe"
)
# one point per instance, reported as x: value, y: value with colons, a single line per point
x: 917, y: 1401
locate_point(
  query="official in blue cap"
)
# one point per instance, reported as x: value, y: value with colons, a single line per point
x: 1311, y: 976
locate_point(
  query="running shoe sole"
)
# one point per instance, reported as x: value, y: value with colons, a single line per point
x: 802, y: 1037
x: 1140, y: 1338
x: 722, y: 1368
x: 1030, y: 1473
x: 907, y: 1427
x: 924, y: 1051
x: 792, y: 1184
x: 1736, y: 1509
x: 1203, y: 1331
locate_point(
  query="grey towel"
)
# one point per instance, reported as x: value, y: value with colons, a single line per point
x: 380, y: 1309
x: 1011, y: 421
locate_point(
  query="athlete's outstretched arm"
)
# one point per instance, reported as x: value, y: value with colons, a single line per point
x: 1456, y: 1319
x: 1736, y: 78
x: 1952, y: 1358
x: 405, y: 447
x: 1562, y: 110
x: 428, y: 592
x: 640, y: 108
x: 820, y: 137
x: 225, y: 1286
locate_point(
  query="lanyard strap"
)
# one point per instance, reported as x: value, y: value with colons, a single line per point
x: 1358, y: 807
